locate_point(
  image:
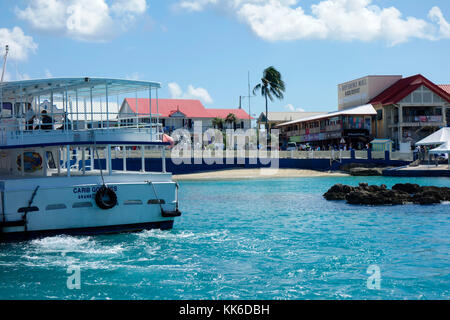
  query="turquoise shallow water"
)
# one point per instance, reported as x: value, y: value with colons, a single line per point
x: 267, y: 239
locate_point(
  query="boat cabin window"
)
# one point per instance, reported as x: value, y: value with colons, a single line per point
x: 6, y: 109
x: 18, y: 109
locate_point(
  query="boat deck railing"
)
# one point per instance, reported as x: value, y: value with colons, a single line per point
x: 16, y: 131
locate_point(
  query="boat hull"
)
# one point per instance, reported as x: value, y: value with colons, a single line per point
x: 68, y: 206
x: 128, y: 228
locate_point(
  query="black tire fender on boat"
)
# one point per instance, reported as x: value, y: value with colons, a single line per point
x: 109, y: 194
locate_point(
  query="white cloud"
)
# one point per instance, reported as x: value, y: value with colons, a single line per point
x: 192, y: 93
x: 290, y: 107
x: 121, y: 7
x: 20, y: 45
x: 437, y: 16
x: 175, y: 90
x: 86, y: 20
x: 343, y: 20
x: 128, y: 10
x: 196, y: 5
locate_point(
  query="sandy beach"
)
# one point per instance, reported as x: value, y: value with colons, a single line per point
x: 236, y: 174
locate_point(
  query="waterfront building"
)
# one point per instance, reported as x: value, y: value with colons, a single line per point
x: 179, y: 113
x: 403, y: 110
x: 351, y: 127
x: 411, y: 109
x: 276, y: 118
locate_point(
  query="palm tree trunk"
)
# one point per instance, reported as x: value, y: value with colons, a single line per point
x: 267, y: 116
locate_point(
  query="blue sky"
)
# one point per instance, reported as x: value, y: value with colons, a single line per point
x: 204, y: 48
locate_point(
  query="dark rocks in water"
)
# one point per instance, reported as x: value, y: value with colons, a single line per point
x: 410, y: 188
x: 431, y: 195
x: 338, y: 192
x: 363, y: 169
x: 378, y: 198
x: 374, y: 195
x: 366, y: 171
x: 346, y: 167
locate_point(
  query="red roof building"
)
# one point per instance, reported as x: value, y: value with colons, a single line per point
x: 411, y: 109
x: 165, y: 107
x: 178, y: 113
x: 406, y: 86
x: 223, y: 113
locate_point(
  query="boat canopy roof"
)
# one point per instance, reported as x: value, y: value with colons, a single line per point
x: 82, y: 87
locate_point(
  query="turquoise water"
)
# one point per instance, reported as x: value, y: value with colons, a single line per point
x: 267, y: 239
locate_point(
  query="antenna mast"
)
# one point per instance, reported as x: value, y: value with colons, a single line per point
x: 249, y: 112
x: 4, y: 63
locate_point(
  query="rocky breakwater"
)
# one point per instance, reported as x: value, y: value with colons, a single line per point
x: 402, y: 193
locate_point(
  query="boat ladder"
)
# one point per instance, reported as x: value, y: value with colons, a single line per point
x: 165, y: 213
x: 24, y: 210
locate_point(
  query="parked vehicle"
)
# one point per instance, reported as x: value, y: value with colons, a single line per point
x: 291, y: 146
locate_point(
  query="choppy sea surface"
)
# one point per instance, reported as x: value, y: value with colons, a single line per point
x: 250, y: 239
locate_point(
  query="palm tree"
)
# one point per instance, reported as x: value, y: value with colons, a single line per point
x: 217, y: 123
x: 271, y: 86
x: 231, y: 118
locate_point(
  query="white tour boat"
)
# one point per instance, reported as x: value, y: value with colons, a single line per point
x: 57, y: 137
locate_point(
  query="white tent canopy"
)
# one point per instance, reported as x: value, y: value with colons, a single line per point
x: 439, y: 137
x: 444, y: 148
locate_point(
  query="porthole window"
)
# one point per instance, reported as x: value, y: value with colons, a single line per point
x: 82, y: 205
x: 132, y: 202
x: 57, y: 206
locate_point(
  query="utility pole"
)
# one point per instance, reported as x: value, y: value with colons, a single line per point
x: 4, y: 63
x: 249, y: 112
x: 249, y: 96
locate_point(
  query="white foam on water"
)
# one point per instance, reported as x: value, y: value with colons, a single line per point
x: 152, y: 250
x: 59, y: 243
x: 181, y: 235
x: 68, y: 244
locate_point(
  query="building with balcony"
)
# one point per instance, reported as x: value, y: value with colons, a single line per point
x: 404, y: 110
x: 352, y: 127
x: 411, y: 109
x: 175, y: 114
x: 276, y: 118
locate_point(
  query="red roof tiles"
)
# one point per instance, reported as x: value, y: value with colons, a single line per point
x: 190, y: 108
x: 167, y: 107
x: 404, y: 87
x: 223, y: 113
x: 445, y: 87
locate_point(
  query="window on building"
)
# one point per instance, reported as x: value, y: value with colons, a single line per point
x: 422, y: 95
x: 427, y: 97
x: 417, y: 97
x: 436, y: 98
